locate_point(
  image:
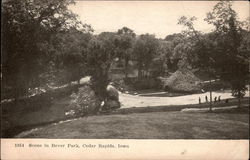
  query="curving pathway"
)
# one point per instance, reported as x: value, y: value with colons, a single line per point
x: 128, y: 101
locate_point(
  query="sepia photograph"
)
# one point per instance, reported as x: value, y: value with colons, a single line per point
x: 156, y: 70
x: 101, y: 69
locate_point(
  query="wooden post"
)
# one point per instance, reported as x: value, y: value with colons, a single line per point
x: 210, y: 91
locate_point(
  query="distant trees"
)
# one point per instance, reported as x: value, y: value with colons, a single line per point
x: 173, y: 58
x: 145, y: 49
x: 159, y: 64
x: 125, y: 44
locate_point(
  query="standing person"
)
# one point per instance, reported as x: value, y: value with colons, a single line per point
x: 206, y: 99
x: 199, y: 100
x: 219, y: 98
x: 215, y: 99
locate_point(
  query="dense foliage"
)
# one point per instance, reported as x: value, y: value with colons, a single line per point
x: 29, y: 30
x: 221, y: 52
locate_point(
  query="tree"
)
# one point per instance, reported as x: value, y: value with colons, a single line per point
x: 68, y: 55
x: 101, y: 51
x: 182, y: 53
x: 174, y: 41
x: 159, y: 62
x: 230, y: 47
x: 126, y: 40
x: 144, y: 50
x: 202, y: 49
x: 174, y: 37
x: 25, y: 25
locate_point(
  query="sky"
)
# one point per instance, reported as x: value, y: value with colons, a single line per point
x: 154, y: 17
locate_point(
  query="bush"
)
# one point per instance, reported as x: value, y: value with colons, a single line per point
x: 84, y: 102
x: 146, y: 83
x: 182, y: 81
x: 217, y: 85
x: 37, y: 101
x: 143, y: 83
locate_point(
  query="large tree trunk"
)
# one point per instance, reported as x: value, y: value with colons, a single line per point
x: 100, y: 81
x: 99, y: 86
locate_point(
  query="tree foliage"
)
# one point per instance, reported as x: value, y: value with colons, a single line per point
x: 101, y: 50
x: 26, y: 25
x: 144, y: 50
x: 125, y: 44
x: 232, y: 58
x: 68, y: 55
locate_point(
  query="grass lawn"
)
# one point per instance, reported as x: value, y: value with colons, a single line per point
x: 19, y: 119
x: 154, y: 125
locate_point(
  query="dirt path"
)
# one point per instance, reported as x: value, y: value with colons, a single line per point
x: 129, y: 101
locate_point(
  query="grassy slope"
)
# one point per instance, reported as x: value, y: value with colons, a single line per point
x: 156, y: 125
x: 25, y: 119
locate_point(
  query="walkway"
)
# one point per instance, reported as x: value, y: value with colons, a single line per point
x: 129, y: 101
